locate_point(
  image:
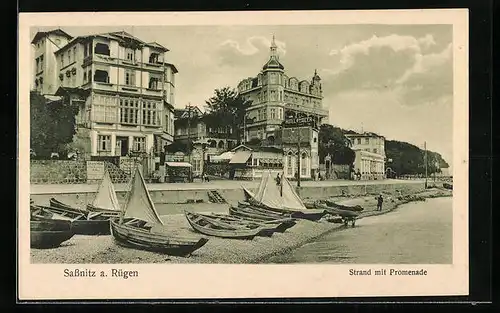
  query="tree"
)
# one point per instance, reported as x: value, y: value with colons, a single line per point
x: 227, y: 109
x: 52, y: 125
x: 333, y: 141
x: 408, y: 159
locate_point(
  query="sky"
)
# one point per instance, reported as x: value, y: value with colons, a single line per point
x: 395, y: 80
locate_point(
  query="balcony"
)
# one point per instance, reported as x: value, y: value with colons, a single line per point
x: 109, y: 60
x: 306, y: 109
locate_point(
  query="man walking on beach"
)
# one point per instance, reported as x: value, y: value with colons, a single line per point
x: 380, y: 200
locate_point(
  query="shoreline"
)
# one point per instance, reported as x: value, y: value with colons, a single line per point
x: 343, y: 227
x: 103, y: 249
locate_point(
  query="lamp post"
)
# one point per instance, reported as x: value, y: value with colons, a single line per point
x: 425, y: 157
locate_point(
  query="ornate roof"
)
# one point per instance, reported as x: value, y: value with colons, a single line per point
x: 273, y: 62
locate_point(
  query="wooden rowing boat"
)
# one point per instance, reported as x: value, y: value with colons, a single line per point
x: 46, y: 232
x: 45, y: 239
x: 54, y: 203
x: 226, y: 221
x: 140, y: 227
x: 250, y: 212
x: 355, y: 208
x: 337, y: 211
x: 82, y: 224
x: 280, y: 225
x: 208, y: 227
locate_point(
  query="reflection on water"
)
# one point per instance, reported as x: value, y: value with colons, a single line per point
x: 418, y: 233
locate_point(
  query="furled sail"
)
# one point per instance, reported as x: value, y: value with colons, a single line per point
x: 105, y: 197
x: 139, y: 204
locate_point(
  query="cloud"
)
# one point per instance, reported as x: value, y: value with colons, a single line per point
x: 396, y: 43
x: 253, y: 45
x: 401, y: 64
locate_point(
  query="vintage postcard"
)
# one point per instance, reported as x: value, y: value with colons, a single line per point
x: 243, y: 154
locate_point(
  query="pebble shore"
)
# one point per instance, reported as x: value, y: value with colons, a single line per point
x: 103, y: 250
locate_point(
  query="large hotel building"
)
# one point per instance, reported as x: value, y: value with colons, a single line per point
x: 275, y: 95
x: 125, y: 88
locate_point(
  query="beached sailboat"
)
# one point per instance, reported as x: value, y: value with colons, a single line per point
x: 282, y: 198
x: 140, y: 227
x: 105, y: 200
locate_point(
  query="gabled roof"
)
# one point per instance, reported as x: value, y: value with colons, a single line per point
x: 157, y: 46
x: 58, y: 31
x: 257, y: 148
x: 173, y: 67
x: 65, y: 91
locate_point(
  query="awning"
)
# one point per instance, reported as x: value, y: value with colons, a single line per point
x: 240, y: 157
x: 178, y: 164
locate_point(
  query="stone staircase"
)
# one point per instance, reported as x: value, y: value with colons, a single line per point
x: 215, y: 197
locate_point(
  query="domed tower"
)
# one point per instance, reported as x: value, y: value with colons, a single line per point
x: 273, y: 91
x: 316, y: 84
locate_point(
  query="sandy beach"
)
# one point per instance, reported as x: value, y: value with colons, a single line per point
x: 103, y: 249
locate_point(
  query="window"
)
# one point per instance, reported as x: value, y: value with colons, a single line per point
x: 89, y: 76
x: 41, y: 63
x: 367, y: 140
x: 130, y: 53
x: 273, y: 114
x: 129, y: 111
x: 101, y: 76
x: 101, y: 48
x: 153, y: 58
x: 273, y: 78
x: 289, y: 163
x: 153, y: 82
x: 84, y: 76
x: 69, y: 57
x: 37, y: 65
x: 139, y: 144
x: 303, y: 165
x: 150, y: 114
x: 104, y: 108
x: 130, y: 78
x: 85, y: 51
x: 62, y: 60
x: 359, y: 141
x: 375, y: 150
x: 104, y: 142
x: 74, y: 53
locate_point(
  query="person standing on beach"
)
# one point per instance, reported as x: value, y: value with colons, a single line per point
x: 278, y: 180
x: 380, y: 200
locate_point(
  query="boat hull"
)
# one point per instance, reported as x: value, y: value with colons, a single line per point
x: 279, y: 226
x: 80, y: 224
x: 202, y: 226
x: 49, y: 234
x: 267, y: 230
x: 105, y: 212
x: 91, y: 227
x: 332, y: 204
x: 142, y: 239
x: 54, y: 203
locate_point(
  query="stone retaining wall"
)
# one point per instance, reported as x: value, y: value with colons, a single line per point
x: 233, y: 195
x: 58, y: 172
